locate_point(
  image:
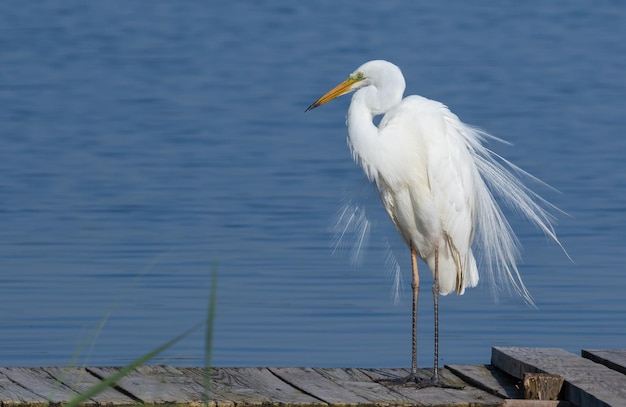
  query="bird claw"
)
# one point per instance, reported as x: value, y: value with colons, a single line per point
x: 436, y: 381
x: 402, y: 381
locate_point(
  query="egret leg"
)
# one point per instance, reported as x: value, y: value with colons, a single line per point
x: 435, y: 380
x: 436, y: 310
x: 412, y: 378
x: 415, y: 285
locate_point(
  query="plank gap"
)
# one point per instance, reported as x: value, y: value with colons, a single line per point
x: 295, y: 386
x: 115, y: 386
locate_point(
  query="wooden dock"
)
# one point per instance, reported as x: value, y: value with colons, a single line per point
x: 598, y: 378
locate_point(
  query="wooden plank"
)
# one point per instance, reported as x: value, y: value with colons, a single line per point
x: 345, y: 386
x: 435, y: 396
x: 586, y: 383
x: 320, y: 386
x: 80, y: 380
x: 156, y: 385
x: 537, y: 403
x: 40, y: 383
x: 490, y: 379
x: 230, y: 387
x: 250, y: 386
x: 13, y: 394
x: 341, y: 387
x: 613, y: 358
x: 404, y: 392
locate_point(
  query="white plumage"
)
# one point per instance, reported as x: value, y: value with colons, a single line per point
x: 437, y: 182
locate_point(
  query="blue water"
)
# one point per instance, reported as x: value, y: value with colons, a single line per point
x: 144, y: 144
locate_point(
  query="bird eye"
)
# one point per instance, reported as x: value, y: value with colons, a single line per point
x: 359, y: 76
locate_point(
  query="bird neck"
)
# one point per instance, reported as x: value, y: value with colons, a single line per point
x: 379, y: 100
x: 363, y: 138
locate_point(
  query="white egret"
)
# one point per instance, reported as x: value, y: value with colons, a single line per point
x: 437, y: 182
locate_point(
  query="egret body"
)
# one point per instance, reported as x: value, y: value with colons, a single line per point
x: 437, y: 182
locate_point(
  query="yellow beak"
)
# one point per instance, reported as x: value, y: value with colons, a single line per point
x: 339, y: 90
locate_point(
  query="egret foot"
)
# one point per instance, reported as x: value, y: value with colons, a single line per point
x: 411, y: 379
x: 436, y: 381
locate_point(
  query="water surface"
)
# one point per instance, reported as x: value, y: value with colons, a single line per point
x: 145, y: 143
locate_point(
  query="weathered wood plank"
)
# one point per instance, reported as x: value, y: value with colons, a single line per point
x: 612, y: 358
x: 435, y: 396
x: 230, y: 387
x: 38, y: 382
x: 234, y: 387
x: 490, y: 379
x: 250, y: 386
x: 156, y: 385
x: 359, y: 382
x: 318, y: 385
x: 382, y: 376
x: 13, y: 394
x: 536, y: 403
x: 586, y: 383
x: 342, y: 386
x: 80, y: 380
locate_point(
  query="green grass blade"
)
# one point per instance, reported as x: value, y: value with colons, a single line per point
x: 208, y: 337
x: 111, y: 380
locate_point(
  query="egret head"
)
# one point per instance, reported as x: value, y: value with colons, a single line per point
x: 382, y: 74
